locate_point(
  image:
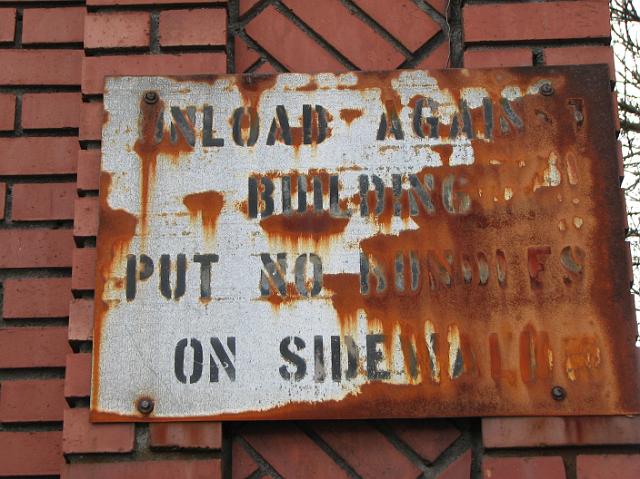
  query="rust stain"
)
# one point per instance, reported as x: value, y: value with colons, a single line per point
x: 117, y: 228
x: 309, y: 225
x: 252, y: 86
x: 206, y: 205
x: 148, y: 147
x: 312, y: 85
x: 348, y: 115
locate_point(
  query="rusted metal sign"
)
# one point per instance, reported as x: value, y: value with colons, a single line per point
x: 399, y: 244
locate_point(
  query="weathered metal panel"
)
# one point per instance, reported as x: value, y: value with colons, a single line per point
x: 401, y: 244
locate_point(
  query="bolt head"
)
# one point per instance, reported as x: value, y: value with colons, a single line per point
x: 546, y: 89
x: 150, y: 97
x: 558, y: 393
x: 145, y: 405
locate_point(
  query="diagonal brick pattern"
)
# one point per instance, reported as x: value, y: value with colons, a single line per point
x: 338, y: 35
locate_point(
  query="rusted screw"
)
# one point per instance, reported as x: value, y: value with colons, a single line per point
x: 145, y: 405
x: 546, y: 89
x: 150, y: 97
x: 558, y: 393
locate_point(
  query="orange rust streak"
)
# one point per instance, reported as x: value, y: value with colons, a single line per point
x: 348, y: 115
x: 208, y: 206
x: 311, y: 224
x: 117, y: 228
x: 277, y: 300
x: 148, y: 148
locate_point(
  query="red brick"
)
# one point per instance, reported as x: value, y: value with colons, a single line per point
x: 549, y: 467
x: 30, y: 453
x: 81, y: 436
x: 243, y: 55
x: 620, y: 160
x: 193, y: 27
x: 498, y: 57
x: 53, y: 25
x: 86, y: 217
x: 270, y: 440
x: 242, y: 464
x: 83, y: 269
x: 186, y: 435
x: 77, y: 380
x: 145, y: 2
x: 3, y: 199
x: 33, y: 347
x: 38, y: 156
x: 266, y: 68
x: 36, y: 298
x: 428, y: 438
x: 81, y: 320
x: 620, y: 466
x: 616, y: 112
x: 356, y: 440
x: 438, y: 58
x: 95, y: 69
x: 116, y: 30
x: 36, y: 248
x: 7, y: 112
x: 7, y: 24
x: 40, y: 67
x: 188, y: 469
x: 245, y: 5
x: 536, y: 21
x: 91, y: 119
x: 350, y: 36
x: 89, y: 170
x: 584, y: 55
x: 289, y: 45
x: 560, y: 431
x: 459, y: 469
x: 402, y: 19
x: 51, y: 110
x: 32, y: 401
x: 43, y: 201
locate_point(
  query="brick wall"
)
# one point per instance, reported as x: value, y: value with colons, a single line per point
x: 54, y: 57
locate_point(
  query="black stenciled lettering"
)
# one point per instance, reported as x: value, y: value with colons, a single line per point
x: 266, y: 197
x: 318, y: 194
x: 366, y: 269
x: 393, y: 124
x: 185, y: 127
x: 253, y: 197
x: 207, y: 128
x: 423, y: 192
x: 130, y: 286
x: 254, y: 126
x: 306, y: 124
x: 300, y: 271
x: 144, y: 272
x: 292, y: 358
x: 205, y: 261
x: 179, y: 359
x: 274, y: 274
x: 280, y: 124
x: 302, y: 193
x: 319, y: 373
x: 375, y: 357
x: 165, y: 273
x: 286, y: 194
x: 223, y: 358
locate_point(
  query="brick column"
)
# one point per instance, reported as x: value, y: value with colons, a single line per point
x: 39, y: 118
x: 125, y: 37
